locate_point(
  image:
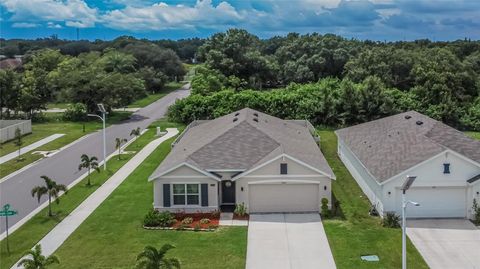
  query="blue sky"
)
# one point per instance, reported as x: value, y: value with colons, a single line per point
x: 175, y: 19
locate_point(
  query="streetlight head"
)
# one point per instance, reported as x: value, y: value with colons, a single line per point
x: 101, y: 108
x: 415, y: 204
x: 408, y: 183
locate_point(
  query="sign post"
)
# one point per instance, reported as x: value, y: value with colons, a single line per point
x: 6, y: 212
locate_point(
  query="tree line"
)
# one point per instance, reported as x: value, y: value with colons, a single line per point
x: 440, y: 79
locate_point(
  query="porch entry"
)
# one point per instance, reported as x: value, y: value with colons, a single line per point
x: 228, y: 192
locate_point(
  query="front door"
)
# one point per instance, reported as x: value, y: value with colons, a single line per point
x: 228, y: 192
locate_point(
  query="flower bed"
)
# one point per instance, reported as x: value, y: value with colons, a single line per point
x: 238, y: 217
x: 189, y: 221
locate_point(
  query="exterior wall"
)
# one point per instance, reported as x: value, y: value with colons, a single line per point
x: 185, y: 174
x: 430, y: 174
x: 270, y: 173
x: 367, y: 183
x: 8, y: 127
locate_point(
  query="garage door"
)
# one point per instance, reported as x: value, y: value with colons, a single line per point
x: 439, y: 202
x: 283, y: 198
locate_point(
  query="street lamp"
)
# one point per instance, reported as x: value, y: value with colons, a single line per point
x: 406, y: 185
x: 102, y: 110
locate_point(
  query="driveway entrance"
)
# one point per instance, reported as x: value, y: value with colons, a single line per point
x: 287, y: 241
x: 446, y: 243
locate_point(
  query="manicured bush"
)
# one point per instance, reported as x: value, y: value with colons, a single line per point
x: 151, y: 219
x: 326, y: 213
x: 187, y: 220
x: 166, y: 219
x: 391, y: 220
x: 158, y: 219
x: 240, y: 209
x: 476, y: 212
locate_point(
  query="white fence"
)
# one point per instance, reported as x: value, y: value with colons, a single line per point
x: 8, y: 127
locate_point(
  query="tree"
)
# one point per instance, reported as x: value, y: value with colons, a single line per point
x: 18, y: 140
x: 152, y: 258
x: 136, y: 132
x: 36, y: 260
x: 118, y: 145
x: 9, y: 91
x: 90, y: 163
x: 52, y: 189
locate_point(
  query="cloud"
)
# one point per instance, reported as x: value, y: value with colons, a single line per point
x: 74, y: 13
x: 53, y: 25
x: 24, y: 25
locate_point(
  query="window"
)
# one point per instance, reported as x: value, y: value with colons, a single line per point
x: 283, y: 169
x: 446, y: 168
x: 186, y: 194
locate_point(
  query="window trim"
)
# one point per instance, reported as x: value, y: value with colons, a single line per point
x: 199, y: 194
x: 283, y: 168
x: 446, y: 168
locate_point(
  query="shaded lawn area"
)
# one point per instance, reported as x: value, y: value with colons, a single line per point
x: 72, y: 131
x: 34, y: 230
x: 150, y: 98
x: 475, y: 135
x: 58, y: 105
x: 113, y: 235
x: 360, y: 234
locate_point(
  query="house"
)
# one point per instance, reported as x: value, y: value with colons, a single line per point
x: 381, y: 153
x: 266, y: 163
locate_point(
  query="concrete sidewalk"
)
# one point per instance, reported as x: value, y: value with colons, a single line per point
x: 55, y: 238
x: 30, y: 147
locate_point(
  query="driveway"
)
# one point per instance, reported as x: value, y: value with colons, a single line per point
x: 287, y: 241
x: 446, y: 243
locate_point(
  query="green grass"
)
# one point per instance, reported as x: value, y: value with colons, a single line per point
x: 113, y: 235
x: 53, y: 125
x: 150, y: 98
x: 475, y: 135
x: 358, y: 233
x: 32, y: 231
x: 58, y: 105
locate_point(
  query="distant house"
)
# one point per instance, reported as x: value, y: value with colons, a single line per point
x: 381, y: 153
x: 269, y: 164
x: 13, y: 63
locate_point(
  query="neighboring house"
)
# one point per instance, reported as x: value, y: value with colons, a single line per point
x: 381, y: 153
x: 15, y: 63
x: 269, y: 164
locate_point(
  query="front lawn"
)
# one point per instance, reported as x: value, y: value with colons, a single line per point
x: 150, y: 98
x: 358, y: 233
x: 475, y: 135
x: 113, y: 235
x: 54, y: 125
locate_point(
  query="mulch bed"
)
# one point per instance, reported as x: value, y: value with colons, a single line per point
x: 214, y: 220
x: 244, y: 217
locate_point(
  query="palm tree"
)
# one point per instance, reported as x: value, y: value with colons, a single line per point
x: 152, y: 258
x: 89, y: 163
x: 18, y: 141
x: 135, y: 132
x: 36, y: 260
x: 52, y: 189
x: 118, y: 145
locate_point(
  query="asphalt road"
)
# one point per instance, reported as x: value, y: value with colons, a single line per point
x: 63, y: 166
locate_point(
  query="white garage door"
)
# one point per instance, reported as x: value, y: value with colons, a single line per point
x: 439, y: 202
x: 283, y: 198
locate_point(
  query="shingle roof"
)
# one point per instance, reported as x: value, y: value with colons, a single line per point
x: 243, y: 144
x: 391, y: 145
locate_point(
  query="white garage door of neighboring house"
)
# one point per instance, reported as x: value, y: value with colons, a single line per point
x: 271, y: 198
x: 438, y: 202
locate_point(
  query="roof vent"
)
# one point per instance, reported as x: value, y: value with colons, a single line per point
x: 255, y: 114
x: 255, y: 119
x: 235, y: 119
x: 419, y: 122
x: 407, y: 117
x: 236, y: 114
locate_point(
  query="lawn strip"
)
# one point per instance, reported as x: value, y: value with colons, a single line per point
x: 152, y: 97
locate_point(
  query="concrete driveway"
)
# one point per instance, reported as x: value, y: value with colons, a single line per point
x: 287, y: 241
x: 446, y: 243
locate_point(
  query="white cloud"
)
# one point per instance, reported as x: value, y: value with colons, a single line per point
x: 74, y: 12
x: 54, y: 25
x: 24, y: 25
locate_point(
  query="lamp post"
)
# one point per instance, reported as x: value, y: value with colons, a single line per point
x: 102, y: 110
x: 406, y: 185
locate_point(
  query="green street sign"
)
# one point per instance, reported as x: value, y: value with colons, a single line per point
x: 7, y: 212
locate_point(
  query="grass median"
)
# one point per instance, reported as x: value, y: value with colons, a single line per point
x: 36, y: 228
x: 358, y: 233
x: 150, y: 98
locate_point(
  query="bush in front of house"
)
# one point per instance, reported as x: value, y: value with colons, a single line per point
x: 476, y: 212
x: 187, y: 220
x: 205, y: 221
x: 158, y: 219
x: 391, y: 220
x: 325, y: 212
x: 240, y: 210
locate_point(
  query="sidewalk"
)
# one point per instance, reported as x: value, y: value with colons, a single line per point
x: 30, y: 147
x: 55, y: 238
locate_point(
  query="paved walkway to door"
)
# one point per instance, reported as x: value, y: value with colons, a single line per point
x: 446, y: 243
x: 288, y: 241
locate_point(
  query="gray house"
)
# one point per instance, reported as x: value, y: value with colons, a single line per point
x: 269, y: 164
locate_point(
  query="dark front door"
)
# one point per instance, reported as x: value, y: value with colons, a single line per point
x: 228, y: 192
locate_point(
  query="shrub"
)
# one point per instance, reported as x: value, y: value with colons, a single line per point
x: 187, y: 220
x: 391, y: 220
x: 205, y: 221
x: 373, y: 211
x: 182, y: 227
x: 212, y: 227
x: 325, y: 211
x: 197, y: 227
x: 240, y: 209
x: 75, y: 112
x: 476, y: 212
x: 166, y: 219
x: 155, y: 218
x: 215, y: 214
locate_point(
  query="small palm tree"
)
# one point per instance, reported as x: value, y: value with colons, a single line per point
x: 18, y: 140
x: 52, y: 189
x: 135, y: 132
x: 36, y: 260
x: 91, y: 163
x: 118, y: 145
x: 152, y: 258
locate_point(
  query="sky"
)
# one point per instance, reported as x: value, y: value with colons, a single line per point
x: 175, y: 19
